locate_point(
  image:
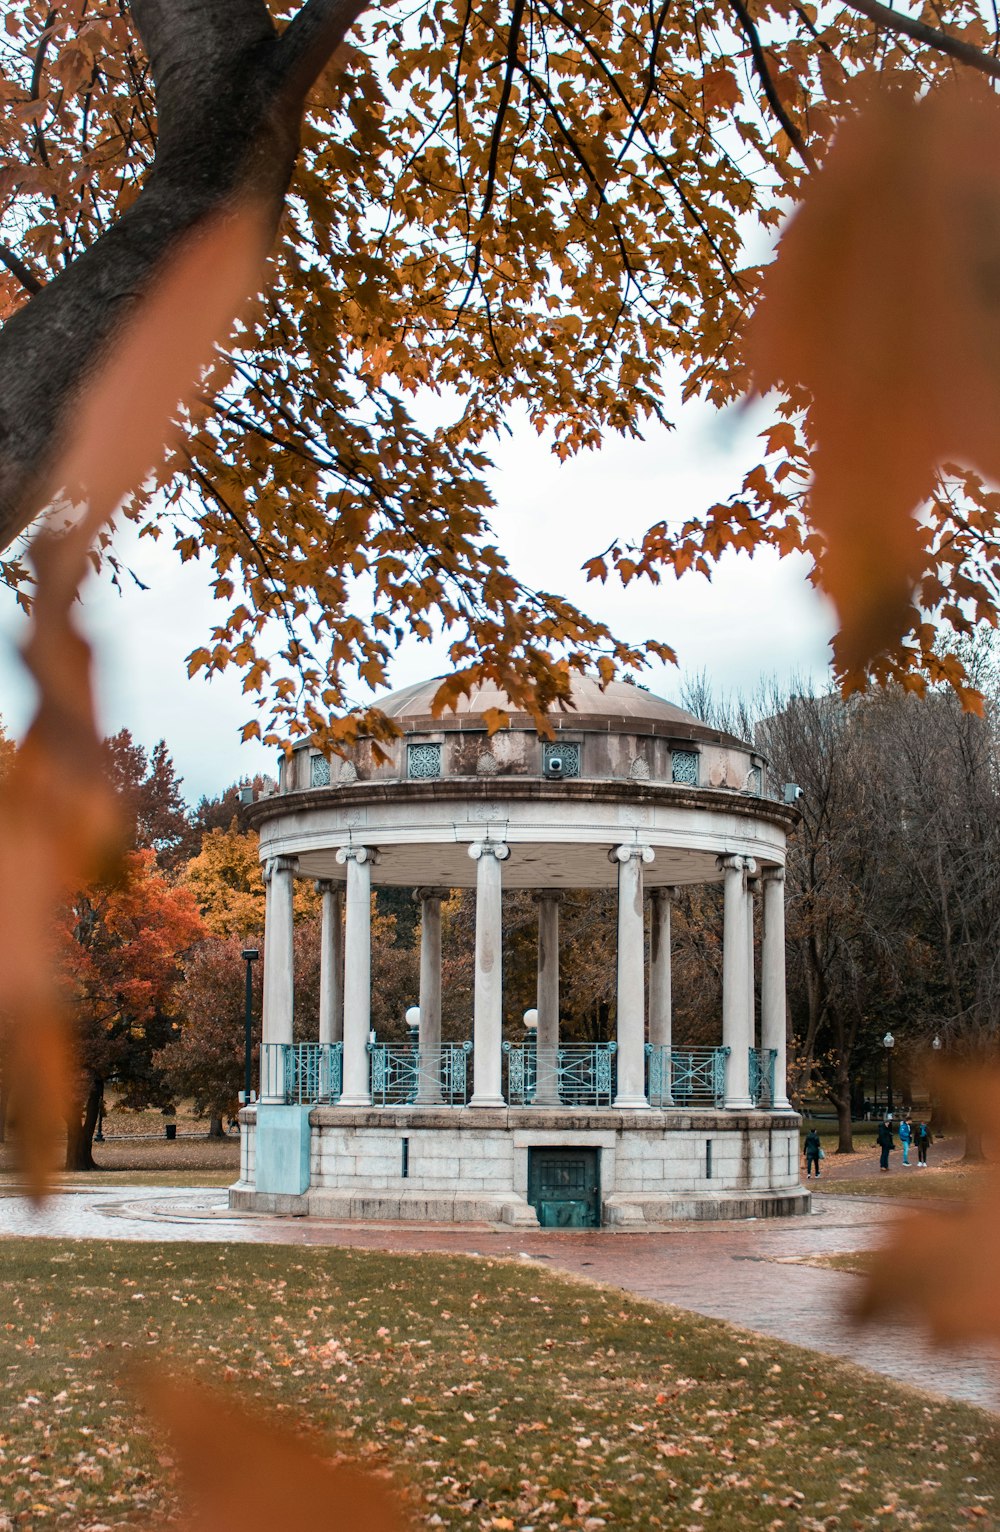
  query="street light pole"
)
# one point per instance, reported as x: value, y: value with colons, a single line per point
x: 887, y: 1043
x: 249, y: 956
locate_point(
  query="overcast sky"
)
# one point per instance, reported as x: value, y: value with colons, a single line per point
x: 756, y: 619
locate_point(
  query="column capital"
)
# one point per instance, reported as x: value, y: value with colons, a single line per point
x: 328, y: 886
x: 553, y: 895
x: 628, y: 853
x: 420, y: 894
x: 359, y: 854
x: 663, y: 894
x: 481, y: 848
x: 279, y: 864
x: 731, y: 862
x: 773, y: 875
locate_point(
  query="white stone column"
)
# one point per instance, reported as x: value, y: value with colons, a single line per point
x: 547, y: 993
x: 429, y: 1036
x: 359, y: 861
x: 660, y: 1000
x: 631, y: 976
x: 331, y: 962
x: 773, y: 1004
x: 488, y: 1003
x: 736, y: 1035
x: 752, y: 887
x: 279, y: 970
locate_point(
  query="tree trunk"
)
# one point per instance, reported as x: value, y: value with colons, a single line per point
x: 215, y: 1128
x: 841, y: 1098
x: 973, y: 1147
x: 80, y: 1129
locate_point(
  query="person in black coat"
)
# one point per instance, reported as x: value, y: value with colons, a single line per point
x: 886, y: 1142
x: 812, y: 1149
x: 922, y: 1139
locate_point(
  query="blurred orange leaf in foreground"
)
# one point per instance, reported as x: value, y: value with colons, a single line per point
x: 248, y: 1474
x: 882, y: 303
x: 58, y: 817
x: 950, y: 1260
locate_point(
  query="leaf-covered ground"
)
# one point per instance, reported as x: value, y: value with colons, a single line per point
x: 503, y: 1397
x: 908, y: 1185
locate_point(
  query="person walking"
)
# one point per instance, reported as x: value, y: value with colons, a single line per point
x: 813, y: 1151
x: 905, y: 1135
x: 886, y: 1142
x: 923, y: 1141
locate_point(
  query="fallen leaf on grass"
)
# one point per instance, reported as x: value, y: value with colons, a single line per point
x: 242, y: 1473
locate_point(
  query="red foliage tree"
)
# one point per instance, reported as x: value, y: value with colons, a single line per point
x: 121, y: 944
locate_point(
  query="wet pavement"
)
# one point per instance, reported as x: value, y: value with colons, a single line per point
x: 749, y: 1272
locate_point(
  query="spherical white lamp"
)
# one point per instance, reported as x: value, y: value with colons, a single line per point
x: 531, y: 1019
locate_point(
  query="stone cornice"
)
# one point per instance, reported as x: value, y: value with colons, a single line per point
x: 510, y: 790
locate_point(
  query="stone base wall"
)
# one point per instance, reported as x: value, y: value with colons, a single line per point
x: 471, y: 1164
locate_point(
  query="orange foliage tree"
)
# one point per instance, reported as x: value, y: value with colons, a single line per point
x: 537, y: 206
x: 119, y: 955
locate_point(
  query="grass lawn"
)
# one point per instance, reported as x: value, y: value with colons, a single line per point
x: 910, y: 1184
x: 499, y: 1395
x: 187, y: 1161
x: 859, y: 1262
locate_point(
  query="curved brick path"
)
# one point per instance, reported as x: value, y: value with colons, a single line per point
x: 747, y: 1272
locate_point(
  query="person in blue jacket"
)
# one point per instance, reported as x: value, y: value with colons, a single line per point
x: 905, y: 1135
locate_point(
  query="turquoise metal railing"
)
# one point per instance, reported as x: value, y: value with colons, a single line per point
x: 585, y: 1073
x: 685, y: 1076
x: 404, y: 1073
x: 762, y: 1061
x: 522, y: 1071
x: 301, y: 1073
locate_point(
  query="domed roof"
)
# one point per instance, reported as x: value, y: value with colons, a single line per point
x: 590, y: 703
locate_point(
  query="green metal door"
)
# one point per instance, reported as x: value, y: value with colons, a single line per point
x: 564, y: 1187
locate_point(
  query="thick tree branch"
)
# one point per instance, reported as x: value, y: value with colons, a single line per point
x: 20, y: 270
x: 769, y: 87
x: 230, y: 94
x: 943, y: 42
x: 311, y: 38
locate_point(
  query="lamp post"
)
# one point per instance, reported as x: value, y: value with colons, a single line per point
x: 887, y: 1043
x: 936, y: 1046
x: 249, y: 956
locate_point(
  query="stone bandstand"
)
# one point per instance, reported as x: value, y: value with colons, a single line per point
x: 632, y: 794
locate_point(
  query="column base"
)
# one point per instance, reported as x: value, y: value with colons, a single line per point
x: 782, y: 1105
x: 487, y: 1101
x: 360, y: 1100
x: 738, y: 1104
x: 631, y: 1103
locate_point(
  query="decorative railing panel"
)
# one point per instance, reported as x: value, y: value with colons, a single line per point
x: 762, y: 1061
x: 522, y: 1073
x: 585, y: 1073
x: 685, y: 1076
x: 302, y: 1073
x: 403, y: 1074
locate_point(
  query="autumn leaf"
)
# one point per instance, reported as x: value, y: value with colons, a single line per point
x: 950, y: 1259
x: 244, y: 1473
x: 60, y: 828
x: 883, y: 302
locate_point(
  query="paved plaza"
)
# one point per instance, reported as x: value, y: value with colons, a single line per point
x: 750, y: 1273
